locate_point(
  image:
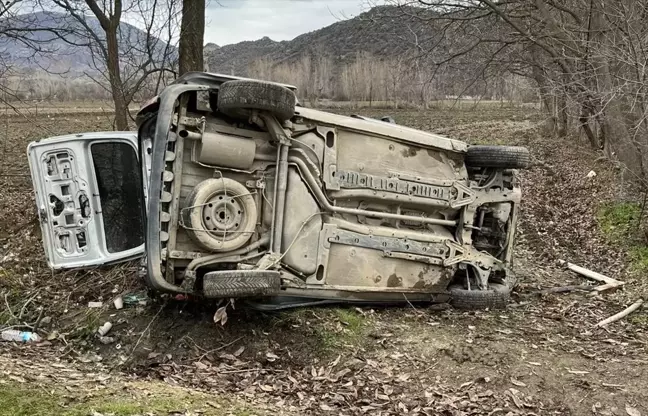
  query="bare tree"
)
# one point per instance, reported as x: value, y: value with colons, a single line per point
x: 587, y: 58
x: 192, y: 34
x: 109, y: 19
x: 122, y: 58
x: 8, y: 10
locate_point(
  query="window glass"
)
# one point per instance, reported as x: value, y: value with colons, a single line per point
x: 120, y: 191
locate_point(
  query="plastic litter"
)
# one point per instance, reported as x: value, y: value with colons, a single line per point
x: 104, y: 329
x: 106, y: 340
x: 19, y: 336
x: 134, y: 299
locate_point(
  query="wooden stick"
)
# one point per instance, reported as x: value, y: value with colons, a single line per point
x: 563, y: 289
x: 591, y: 274
x: 627, y: 311
x: 607, y: 286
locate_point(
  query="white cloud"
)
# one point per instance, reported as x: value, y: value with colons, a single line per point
x: 232, y: 21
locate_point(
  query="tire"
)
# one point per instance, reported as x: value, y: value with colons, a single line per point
x: 241, y: 283
x: 503, y: 157
x: 220, y: 214
x: 236, y: 97
x: 495, y: 297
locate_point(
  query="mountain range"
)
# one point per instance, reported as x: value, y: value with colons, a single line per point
x: 382, y: 31
x: 60, y: 44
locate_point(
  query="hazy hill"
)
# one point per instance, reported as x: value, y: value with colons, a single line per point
x: 69, y: 55
x: 383, y: 31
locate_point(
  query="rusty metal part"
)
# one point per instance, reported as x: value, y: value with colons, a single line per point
x: 321, y: 199
x: 283, y: 146
x: 221, y: 150
x: 215, y: 258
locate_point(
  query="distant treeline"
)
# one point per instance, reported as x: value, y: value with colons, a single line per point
x: 399, y: 81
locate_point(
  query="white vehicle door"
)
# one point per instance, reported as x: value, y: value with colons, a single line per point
x: 89, y: 197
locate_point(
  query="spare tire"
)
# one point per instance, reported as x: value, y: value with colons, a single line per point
x: 236, y: 98
x: 503, y: 157
x: 495, y: 297
x: 220, y: 214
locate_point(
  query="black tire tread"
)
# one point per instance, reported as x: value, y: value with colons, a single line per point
x: 505, y: 157
x: 496, y: 297
x: 237, y: 284
x: 234, y: 96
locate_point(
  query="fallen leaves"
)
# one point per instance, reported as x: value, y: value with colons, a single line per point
x: 394, y: 378
x: 220, y: 317
x: 632, y: 411
x: 517, y: 382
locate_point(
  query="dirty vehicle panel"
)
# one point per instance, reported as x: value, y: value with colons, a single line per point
x: 89, y: 198
x: 251, y: 196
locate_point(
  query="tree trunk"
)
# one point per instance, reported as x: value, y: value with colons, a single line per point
x: 562, y: 115
x: 619, y: 143
x: 114, y: 75
x: 545, y: 93
x: 584, y: 119
x: 192, y: 33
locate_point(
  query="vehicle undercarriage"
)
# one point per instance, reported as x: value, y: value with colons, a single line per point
x: 252, y: 197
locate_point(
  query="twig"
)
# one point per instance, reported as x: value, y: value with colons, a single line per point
x: 31, y: 328
x: 146, y: 330
x: 410, y: 304
x: 22, y: 310
x: 249, y: 370
x: 219, y: 348
x: 643, y: 208
x: 563, y: 289
x: 627, y: 311
x: 9, y: 307
x: 38, y: 320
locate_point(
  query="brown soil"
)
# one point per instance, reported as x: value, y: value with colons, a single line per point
x: 542, y: 355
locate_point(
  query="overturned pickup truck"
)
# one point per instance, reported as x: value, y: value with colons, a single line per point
x: 231, y: 189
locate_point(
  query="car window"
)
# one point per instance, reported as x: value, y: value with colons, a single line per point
x: 120, y: 191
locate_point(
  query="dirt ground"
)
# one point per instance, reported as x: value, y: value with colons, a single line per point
x: 543, y: 355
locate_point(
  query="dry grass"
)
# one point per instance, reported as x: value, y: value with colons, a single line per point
x: 389, y: 360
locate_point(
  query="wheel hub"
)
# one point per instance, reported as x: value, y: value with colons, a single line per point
x: 223, y: 215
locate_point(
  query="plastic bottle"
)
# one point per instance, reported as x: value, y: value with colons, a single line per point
x: 104, y: 329
x: 19, y: 336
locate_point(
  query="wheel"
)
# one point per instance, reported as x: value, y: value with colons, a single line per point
x: 241, y: 283
x: 236, y: 97
x: 504, y: 157
x: 495, y: 297
x: 220, y: 214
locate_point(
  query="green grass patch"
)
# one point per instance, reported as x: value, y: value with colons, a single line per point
x: 24, y: 399
x: 346, y: 327
x: 620, y: 223
x: 619, y: 220
x: 639, y: 258
x: 639, y: 318
x: 353, y: 321
x: 325, y: 330
x: 87, y: 325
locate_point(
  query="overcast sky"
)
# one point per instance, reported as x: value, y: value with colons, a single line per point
x: 232, y: 21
